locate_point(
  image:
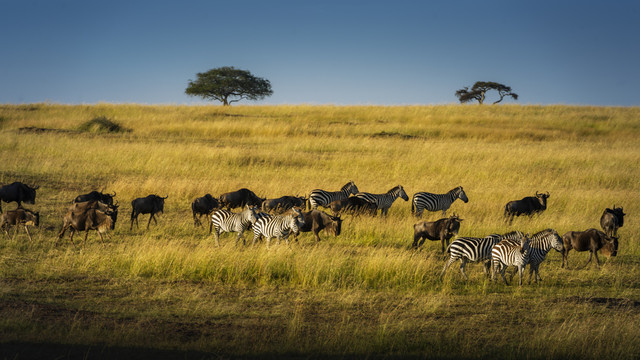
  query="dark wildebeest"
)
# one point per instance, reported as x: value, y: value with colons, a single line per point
x: 611, y: 220
x: 316, y: 220
x: 590, y: 240
x: 18, y: 192
x: 96, y: 196
x: 91, y: 219
x: 152, y: 204
x: 18, y: 217
x: 527, y: 206
x: 353, y: 205
x: 284, y: 203
x: 443, y: 230
x: 240, y: 198
x: 203, y: 206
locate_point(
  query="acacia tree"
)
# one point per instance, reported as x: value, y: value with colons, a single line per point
x: 479, y: 89
x: 228, y: 84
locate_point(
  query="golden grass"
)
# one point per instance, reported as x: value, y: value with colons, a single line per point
x: 360, y: 293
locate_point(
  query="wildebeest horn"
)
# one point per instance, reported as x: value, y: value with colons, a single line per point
x: 537, y: 193
x: 114, y: 194
x: 166, y: 196
x: 548, y: 194
x: 36, y: 187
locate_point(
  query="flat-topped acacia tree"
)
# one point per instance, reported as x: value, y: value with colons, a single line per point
x: 228, y: 84
x: 479, y: 89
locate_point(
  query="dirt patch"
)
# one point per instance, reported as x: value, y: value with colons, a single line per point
x: 39, y: 130
x: 612, y: 303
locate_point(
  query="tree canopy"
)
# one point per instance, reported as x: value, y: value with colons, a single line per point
x: 228, y: 84
x: 479, y: 89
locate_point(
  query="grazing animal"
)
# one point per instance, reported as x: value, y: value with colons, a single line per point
x: 471, y: 249
x: 443, y: 230
x: 434, y: 202
x: 19, y: 217
x: 226, y: 221
x: 353, y: 205
x: 91, y: 219
x: 611, y: 220
x: 203, y: 206
x: 384, y: 201
x: 96, y: 196
x: 510, y: 252
x: 541, y: 243
x: 590, y: 240
x: 278, y: 226
x: 240, y: 198
x: 19, y: 193
x: 319, y: 197
x: 80, y: 207
x: 529, y: 205
x: 284, y: 203
x: 151, y: 204
x: 316, y: 221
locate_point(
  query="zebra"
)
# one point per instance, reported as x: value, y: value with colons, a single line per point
x: 541, y: 242
x: 324, y: 198
x: 226, y: 221
x: 510, y: 252
x: 472, y: 249
x: 384, y: 201
x: 278, y: 226
x: 435, y: 202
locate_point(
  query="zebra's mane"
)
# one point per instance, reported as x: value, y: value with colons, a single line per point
x: 394, y: 189
x: 455, y: 190
x: 347, y: 185
x: 542, y: 234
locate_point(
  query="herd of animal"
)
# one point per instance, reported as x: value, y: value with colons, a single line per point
x: 280, y: 217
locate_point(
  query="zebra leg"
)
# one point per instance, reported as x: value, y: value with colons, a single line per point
x: 502, y: 271
x: 463, y: 263
x: 240, y: 233
x: 217, y: 235
x: 451, y: 260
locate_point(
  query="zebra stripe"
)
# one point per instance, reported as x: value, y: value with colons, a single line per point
x: 278, y: 226
x: 510, y: 252
x: 435, y: 202
x: 471, y: 249
x: 541, y: 243
x: 384, y: 201
x: 227, y: 221
x: 319, y: 197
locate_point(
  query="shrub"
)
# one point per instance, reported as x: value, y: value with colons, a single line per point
x: 101, y: 124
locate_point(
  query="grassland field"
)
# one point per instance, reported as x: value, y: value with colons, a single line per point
x: 171, y: 293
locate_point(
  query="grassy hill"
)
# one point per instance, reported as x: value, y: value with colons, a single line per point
x: 171, y: 292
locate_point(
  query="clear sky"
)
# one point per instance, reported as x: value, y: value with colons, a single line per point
x: 321, y: 52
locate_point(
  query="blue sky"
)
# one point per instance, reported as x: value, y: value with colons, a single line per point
x: 321, y: 52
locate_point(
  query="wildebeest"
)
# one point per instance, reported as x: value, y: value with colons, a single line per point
x: 611, y: 220
x: 316, y: 220
x: 19, y: 217
x: 18, y: 192
x: 283, y: 203
x: 91, y: 219
x: 353, y: 205
x: 96, y: 196
x: 151, y: 204
x: 240, y: 198
x: 443, y: 229
x: 203, y: 206
x: 526, y: 206
x: 590, y: 240
x: 79, y: 207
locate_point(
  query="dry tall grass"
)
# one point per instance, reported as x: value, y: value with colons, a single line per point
x: 363, y: 292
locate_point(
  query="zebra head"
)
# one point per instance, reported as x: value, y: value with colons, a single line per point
x: 461, y: 194
x: 556, y: 241
x: 399, y: 191
x: 351, y: 188
x: 249, y: 214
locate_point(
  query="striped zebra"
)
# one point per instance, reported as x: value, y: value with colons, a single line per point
x: 471, y: 249
x: 435, y: 202
x: 227, y: 221
x: 510, y: 252
x: 541, y: 243
x: 384, y: 201
x: 278, y: 226
x: 323, y: 198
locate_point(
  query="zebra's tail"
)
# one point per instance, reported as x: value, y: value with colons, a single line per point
x: 413, y: 208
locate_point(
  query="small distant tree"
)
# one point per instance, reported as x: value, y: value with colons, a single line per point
x: 479, y: 89
x: 228, y: 84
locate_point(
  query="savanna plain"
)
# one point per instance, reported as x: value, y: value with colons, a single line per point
x: 169, y: 292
